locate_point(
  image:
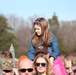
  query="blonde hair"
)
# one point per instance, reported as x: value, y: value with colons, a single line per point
x: 49, y: 71
x: 45, y: 32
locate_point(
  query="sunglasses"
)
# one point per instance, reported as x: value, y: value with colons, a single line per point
x: 24, y: 70
x: 42, y: 64
x: 66, y: 67
x: 37, y: 22
x: 7, y: 71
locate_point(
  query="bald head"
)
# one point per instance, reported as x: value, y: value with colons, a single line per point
x: 26, y: 63
x: 25, y: 67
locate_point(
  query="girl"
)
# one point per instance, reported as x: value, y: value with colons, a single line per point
x: 42, y: 36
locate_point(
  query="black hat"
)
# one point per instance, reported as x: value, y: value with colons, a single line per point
x: 41, y: 49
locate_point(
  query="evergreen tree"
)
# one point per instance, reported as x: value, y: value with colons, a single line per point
x: 55, y: 20
x: 54, y: 23
x: 6, y: 37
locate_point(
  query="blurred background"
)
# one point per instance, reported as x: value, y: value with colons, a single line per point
x: 17, y: 17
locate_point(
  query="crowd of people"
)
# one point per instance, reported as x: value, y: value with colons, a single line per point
x: 39, y: 66
x: 43, y: 55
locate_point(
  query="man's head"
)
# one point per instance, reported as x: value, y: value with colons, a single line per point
x: 68, y: 66
x: 25, y: 67
x: 7, y: 66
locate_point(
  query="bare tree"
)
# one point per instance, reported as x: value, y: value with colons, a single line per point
x: 15, y: 22
x: 68, y: 34
x: 23, y: 35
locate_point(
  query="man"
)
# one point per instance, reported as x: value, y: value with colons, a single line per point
x: 25, y: 67
x: 68, y: 63
x: 7, y: 67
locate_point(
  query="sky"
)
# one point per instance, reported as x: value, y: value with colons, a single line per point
x: 64, y: 9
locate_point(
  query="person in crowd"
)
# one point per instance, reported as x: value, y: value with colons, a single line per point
x: 42, y: 65
x: 6, y: 63
x: 25, y: 67
x: 19, y: 59
x: 68, y: 63
x: 43, y: 37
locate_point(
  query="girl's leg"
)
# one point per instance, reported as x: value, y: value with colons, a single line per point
x: 58, y: 67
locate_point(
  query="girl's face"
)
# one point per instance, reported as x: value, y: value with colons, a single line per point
x: 37, y: 30
x: 41, y: 65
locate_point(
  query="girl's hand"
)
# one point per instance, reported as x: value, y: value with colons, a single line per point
x: 51, y: 60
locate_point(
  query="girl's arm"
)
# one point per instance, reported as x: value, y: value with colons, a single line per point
x: 31, y: 51
x: 54, y: 48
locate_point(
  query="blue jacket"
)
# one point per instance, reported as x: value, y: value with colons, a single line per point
x: 52, y: 48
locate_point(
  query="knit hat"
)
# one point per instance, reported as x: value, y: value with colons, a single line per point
x: 7, y: 64
x: 74, y: 61
x: 41, y: 49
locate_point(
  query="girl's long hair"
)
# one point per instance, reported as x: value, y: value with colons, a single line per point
x: 45, y: 32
